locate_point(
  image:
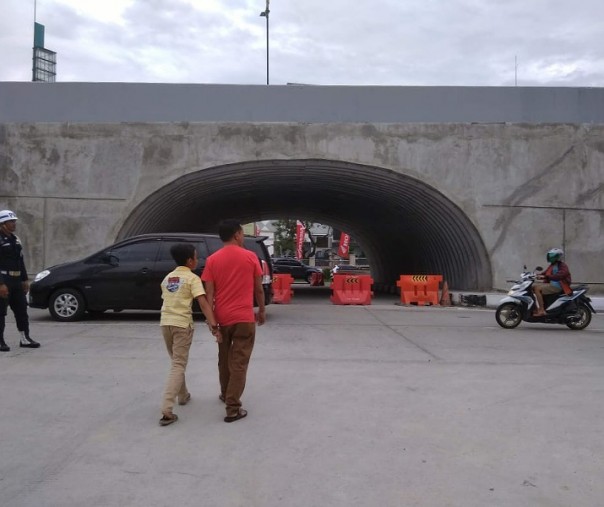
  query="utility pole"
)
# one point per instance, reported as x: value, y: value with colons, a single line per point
x: 265, y: 14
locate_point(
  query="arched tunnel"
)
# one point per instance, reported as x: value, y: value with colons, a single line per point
x: 403, y: 225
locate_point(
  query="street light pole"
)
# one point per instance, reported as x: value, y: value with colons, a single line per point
x: 265, y: 13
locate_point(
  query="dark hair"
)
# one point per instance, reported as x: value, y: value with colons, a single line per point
x: 228, y: 228
x: 182, y: 252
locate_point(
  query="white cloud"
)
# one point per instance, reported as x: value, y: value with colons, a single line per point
x: 389, y: 42
x: 106, y: 11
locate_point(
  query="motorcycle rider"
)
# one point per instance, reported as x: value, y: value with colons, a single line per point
x: 554, y: 280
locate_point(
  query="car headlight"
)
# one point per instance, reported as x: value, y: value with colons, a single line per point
x: 41, y: 275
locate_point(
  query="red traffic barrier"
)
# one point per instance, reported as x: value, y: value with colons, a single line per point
x: 316, y: 279
x: 351, y: 289
x: 282, y: 293
x: 419, y: 289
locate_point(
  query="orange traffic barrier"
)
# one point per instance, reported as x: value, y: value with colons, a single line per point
x: 351, y: 289
x: 419, y: 289
x: 445, y: 297
x: 282, y: 292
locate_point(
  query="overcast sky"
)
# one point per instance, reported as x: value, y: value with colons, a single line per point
x: 356, y: 42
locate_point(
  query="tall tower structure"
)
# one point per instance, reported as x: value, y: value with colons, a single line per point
x: 44, y: 60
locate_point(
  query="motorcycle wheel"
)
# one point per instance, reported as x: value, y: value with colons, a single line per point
x: 508, y: 315
x: 583, y: 321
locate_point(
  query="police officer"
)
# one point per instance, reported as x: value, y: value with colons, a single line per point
x: 13, y: 281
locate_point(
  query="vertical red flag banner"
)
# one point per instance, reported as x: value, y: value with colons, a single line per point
x: 256, y: 230
x: 300, y: 231
x: 344, y: 245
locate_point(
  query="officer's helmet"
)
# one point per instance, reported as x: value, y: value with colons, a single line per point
x: 6, y: 215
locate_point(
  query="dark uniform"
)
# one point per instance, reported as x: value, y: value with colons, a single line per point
x: 13, y: 274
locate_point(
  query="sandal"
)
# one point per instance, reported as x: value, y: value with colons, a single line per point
x: 186, y: 400
x: 240, y: 415
x: 168, y: 419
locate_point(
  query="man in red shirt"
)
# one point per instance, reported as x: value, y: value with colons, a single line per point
x: 232, y: 277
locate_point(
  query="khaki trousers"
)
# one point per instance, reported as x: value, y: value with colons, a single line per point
x: 233, y: 358
x: 178, y: 342
x: 548, y: 289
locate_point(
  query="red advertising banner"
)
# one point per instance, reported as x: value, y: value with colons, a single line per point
x: 344, y: 245
x: 300, y: 231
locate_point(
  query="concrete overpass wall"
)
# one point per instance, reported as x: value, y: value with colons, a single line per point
x: 522, y: 187
x: 136, y: 102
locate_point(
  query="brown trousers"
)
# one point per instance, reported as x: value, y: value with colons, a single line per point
x: 178, y: 342
x: 233, y: 358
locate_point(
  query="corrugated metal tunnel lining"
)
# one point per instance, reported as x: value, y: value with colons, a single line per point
x: 403, y: 225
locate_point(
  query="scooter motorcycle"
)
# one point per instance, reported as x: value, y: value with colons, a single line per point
x: 574, y: 310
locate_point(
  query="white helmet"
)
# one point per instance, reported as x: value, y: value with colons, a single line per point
x: 7, y: 215
x: 554, y: 255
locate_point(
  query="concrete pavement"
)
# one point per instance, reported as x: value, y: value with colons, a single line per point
x: 348, y: 406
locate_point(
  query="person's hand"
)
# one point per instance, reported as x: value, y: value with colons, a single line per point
x: 218, y: 335
x: 25, y: 286
x: 3, y: 291
x: 215, y: 330
x: 261, y: 317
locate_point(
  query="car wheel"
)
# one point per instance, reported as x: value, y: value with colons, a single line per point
x: 67, y: 305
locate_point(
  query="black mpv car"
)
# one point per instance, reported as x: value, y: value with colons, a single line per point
x: 295, y: 268
x: 126, y: 275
